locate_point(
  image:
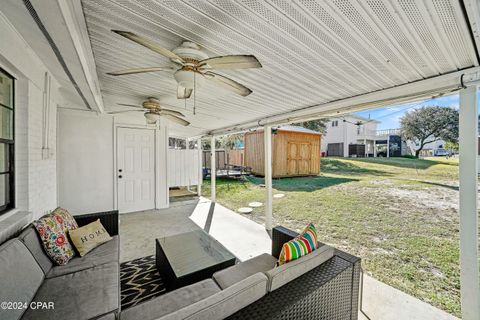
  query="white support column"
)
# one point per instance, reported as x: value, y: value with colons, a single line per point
x: 365, y: 144
x: 267, y: 134
x: 200, y: 167
x: 374, y: 148
x: 213, y: 170
x: 388, y: 146
x: 468, y: 146
x: 187, y: 147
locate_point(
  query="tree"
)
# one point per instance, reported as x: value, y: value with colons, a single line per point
x: 428, y: 124
x: 226, y: 142
x: 319, y: 125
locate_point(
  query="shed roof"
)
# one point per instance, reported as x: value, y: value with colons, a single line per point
x: 290, y: 128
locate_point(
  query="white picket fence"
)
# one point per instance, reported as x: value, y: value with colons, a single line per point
x: 183, y: 167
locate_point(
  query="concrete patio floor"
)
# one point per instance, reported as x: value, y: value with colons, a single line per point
x: 246, y: 239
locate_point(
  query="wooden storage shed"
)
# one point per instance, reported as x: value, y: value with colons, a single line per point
x: 295, y: 152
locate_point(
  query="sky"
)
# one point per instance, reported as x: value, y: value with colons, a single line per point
x: 389, y: 117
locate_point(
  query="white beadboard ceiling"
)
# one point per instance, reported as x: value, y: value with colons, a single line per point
x: 312, y: 52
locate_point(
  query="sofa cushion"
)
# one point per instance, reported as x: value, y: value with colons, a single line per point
x: 20, y: 276
x: 32, y: 241
x: 227, y: 277
x: 105, y: 253
x: 171, y: 302
x: 225, y: 302
x: 285, y: 273
x: 110, y: 316
x: 78, y: 296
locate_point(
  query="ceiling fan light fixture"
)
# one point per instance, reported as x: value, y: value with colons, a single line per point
x: 186, y: 79
x: 151, y: 117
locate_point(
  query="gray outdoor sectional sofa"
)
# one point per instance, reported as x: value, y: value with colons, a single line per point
x: 86, y: 288
x: 321, y: 285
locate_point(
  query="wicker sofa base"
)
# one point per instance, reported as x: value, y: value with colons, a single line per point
x: 328, y: 292
x: 323, y: 293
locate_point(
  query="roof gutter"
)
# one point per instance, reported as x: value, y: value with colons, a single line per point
x: 418, y: 90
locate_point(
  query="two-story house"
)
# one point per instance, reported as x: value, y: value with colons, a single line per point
x: 349, y: 130
x: 356, y: 136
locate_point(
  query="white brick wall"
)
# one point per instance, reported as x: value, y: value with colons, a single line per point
x: 42, y: 178
x: 35, y: 178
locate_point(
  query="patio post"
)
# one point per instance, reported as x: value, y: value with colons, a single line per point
x: 388, y: 146
x: 200, y: 165
x: 365, y: 144
x: 267, y: 134
x: 468, y: 147
x: 374, y: 148
x: 213, y: 169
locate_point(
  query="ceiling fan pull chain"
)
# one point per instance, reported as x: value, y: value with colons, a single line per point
x: 194, y: 92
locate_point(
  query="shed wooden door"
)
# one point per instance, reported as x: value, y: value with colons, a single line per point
x: 299, y: 158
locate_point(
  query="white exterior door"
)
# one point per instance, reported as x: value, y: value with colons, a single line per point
x: 135, y: 169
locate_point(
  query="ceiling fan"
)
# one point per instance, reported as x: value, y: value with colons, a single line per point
x: 193, y: 66
x: 153, y: 111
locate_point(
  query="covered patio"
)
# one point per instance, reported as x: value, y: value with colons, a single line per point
x: 247, y: 239
x: 73, y: 72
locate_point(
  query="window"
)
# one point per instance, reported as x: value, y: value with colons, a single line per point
x: 335, y: 123
x: 7, y: 190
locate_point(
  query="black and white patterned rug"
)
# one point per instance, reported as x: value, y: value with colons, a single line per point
x: 139, y: 281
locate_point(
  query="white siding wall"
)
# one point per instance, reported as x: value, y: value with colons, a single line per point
x: 85, y: 161
x: 86, y: 158
x: 35, y: 177
x: 183, y: 168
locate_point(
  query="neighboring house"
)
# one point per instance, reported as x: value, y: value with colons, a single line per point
x: 430, y: 149
x: 349, y: 130
x: 355, y: 136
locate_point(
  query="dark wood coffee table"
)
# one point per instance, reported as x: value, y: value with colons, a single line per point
x: 190, y: 257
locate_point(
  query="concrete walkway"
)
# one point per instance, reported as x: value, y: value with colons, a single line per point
x: 243, y: 237
x: 383, y: 302
x: 246, y: 239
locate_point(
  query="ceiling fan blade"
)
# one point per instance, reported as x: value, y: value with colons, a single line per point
x: 183, y: 93
x: 231, y: 62
x: 129, y: 105
x: 149, y: 44
x: 123, y: 111
x: 140, y: 70
x: 228, y: 83
x: 175, y: 119
x: 172, y: 112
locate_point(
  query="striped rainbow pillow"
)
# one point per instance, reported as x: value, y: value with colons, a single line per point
x: 302, y: 245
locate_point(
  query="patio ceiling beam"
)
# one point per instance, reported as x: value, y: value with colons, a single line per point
x: 468, y: 205
x: 75, y: 22
x: 417, y: 90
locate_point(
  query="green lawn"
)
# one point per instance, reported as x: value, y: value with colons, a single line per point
x: 399, y: 215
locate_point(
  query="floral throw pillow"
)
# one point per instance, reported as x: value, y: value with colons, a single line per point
x: 65, y: 219
x: 53, y: 233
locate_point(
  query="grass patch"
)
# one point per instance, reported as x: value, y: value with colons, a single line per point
x: 398, y: 214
